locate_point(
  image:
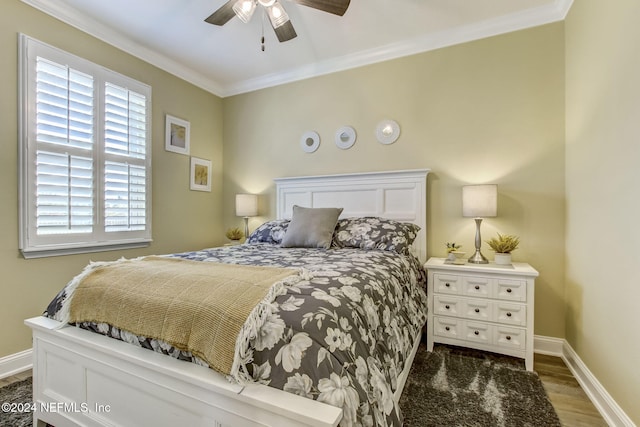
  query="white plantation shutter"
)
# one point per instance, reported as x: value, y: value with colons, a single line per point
x: 85, y: 155
x: 125, y: 172
x: 64, y: 194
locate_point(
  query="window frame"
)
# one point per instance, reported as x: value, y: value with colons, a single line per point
x: 31, y: 244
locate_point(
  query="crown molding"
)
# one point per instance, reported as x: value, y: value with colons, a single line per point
x: 102, y: 32
x: 553, y: 12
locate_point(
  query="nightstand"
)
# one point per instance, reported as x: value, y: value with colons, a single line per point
x: 483, y: 306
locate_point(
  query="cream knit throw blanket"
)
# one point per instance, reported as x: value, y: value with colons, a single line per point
x: 209, y: 309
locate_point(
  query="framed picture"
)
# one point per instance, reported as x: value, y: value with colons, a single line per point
x: 200, y: 176
x: 176, y: 135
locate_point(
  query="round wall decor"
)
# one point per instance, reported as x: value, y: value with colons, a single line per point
x: 345, y: 137
x: 387, y: 131
x: 310, y: 141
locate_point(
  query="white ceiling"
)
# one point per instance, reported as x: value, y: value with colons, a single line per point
x: 172, y: 34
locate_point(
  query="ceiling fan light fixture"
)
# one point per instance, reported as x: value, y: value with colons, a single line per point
x: 267, y: 3
x: 277, y: 14
x: 244, y: 9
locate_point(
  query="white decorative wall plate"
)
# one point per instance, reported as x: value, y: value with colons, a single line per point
x: 345, y: 137
x: 387, y: 131
x: 310, y: 141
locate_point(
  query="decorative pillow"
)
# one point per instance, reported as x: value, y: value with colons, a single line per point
x: 375, y: 233
x: 269, y: 232
x: 311, y: 227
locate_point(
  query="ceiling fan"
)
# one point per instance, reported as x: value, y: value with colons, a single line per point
x: 278, y: 17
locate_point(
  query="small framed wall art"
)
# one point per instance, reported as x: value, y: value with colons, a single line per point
x: 176, y: 135
x: 200, y: 174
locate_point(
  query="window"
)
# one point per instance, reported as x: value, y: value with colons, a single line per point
x: 85, y: 155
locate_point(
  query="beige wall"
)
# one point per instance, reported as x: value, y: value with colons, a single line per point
x: 603, y: 199
x: 487, y: 111
x: 182, y: 219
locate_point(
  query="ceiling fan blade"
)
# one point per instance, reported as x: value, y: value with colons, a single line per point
x: 337, y: 7
x: 285, y: 32
x: 222, y: 15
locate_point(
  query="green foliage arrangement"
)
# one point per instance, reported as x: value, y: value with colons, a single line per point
x: 504, y: 243
x: 451, y: 247
x: 234, y: 233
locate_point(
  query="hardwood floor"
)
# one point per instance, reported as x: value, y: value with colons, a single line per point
x: 15, y: 378
x: 569, y: 400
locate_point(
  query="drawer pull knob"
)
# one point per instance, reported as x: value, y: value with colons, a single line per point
x: 508, y: 337
x: 509, y: 314
x: 446, y: 328
x: 477, y: 287
x: 508, y: 290
x: 477, y: 310
x: 447, y: 285
x: 447, y: 306
x: 476, y: 332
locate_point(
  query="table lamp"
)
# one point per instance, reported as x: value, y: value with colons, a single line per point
x: 246, y: 206
x: 479, y: 201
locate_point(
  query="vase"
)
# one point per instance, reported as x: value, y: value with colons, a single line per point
x: 459, y: 258
x: 502, y: 259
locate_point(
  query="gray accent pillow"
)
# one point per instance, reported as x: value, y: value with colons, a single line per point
x: 311, y: 227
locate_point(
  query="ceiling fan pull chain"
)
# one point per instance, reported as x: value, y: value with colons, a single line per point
x: 262, y: 39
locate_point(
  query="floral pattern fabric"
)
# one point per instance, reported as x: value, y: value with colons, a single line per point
x: 375, y: 233
x: 270, y: 232
x: 341, y: 337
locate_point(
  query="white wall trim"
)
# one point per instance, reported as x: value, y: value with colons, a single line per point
x: 550, y: 346
x: 606, y: 405
x: 15, y: 363
x: 601, y: 399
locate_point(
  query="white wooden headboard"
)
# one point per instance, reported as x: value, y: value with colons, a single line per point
x: 398, y: 195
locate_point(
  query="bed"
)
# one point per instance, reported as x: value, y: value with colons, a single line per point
x: 86, y: 378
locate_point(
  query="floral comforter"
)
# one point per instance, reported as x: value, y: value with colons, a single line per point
x: 340, y: 337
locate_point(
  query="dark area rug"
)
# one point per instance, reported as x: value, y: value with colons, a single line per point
x: 454, y: 386
x: 18, y: 392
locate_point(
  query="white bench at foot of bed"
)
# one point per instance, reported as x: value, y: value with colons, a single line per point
x: 83, y: 378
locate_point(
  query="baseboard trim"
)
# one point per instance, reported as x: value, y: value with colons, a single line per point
x: 16, y: 363
x: 548, y: 345
x: 601, y: 399
x: 606, y: 405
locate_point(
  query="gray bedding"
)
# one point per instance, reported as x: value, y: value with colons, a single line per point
x: 340, y: 337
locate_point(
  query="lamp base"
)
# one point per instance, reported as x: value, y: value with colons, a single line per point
x: 246, y: 228
x: 478, y: 258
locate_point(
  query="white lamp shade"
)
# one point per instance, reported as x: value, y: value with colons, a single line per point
x: 246, y: 205
x: 277, y: 15
x: 480, y: 201
x: 244, y: 9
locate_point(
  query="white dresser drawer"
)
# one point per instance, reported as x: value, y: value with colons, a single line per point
x: 479, y: 287
x: 510, y: 314
x: 448, y: 327
x: 447, y: 284
x: 448, y: 305
x: 478, y: 332
x: 512, y: 290
x: 478, y: 309
x: 511, y: 338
